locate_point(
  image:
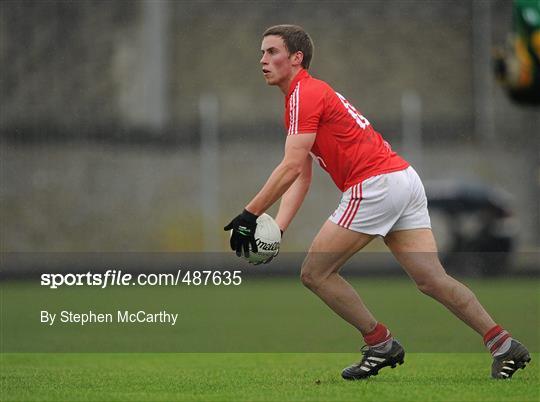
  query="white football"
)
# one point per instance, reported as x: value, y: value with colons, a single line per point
x: 268, y: 238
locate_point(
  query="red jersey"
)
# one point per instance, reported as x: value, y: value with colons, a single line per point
x: 346, y: 145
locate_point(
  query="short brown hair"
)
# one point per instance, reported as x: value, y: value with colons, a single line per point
x: 295, y: 39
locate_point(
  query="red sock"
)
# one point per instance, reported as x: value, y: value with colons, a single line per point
x: 495, y: 337
x: 380, y: 334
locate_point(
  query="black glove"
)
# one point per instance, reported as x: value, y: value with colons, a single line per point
x: 243, y: 233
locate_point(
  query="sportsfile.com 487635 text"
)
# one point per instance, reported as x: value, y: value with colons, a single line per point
x: 113, y: 277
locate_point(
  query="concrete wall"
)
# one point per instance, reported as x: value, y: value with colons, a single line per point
x: 92, y: 198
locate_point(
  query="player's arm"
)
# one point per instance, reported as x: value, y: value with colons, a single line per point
x: 294, y: 196
x: 297, y: 148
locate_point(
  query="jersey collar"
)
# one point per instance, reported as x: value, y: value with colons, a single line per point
x: 299, y: 76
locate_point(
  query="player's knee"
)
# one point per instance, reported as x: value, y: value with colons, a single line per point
x: 432, y: 285
x: 425, y: 287
x: 310, y: 279
x: 307, y: 278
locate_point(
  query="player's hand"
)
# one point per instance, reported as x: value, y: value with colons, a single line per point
x: 243, y: 233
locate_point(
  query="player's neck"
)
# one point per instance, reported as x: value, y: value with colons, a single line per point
x: 286, y: 84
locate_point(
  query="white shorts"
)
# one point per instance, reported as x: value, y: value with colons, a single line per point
x: 384, y: 203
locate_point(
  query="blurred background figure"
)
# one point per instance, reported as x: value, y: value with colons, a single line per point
x: 517, y: 65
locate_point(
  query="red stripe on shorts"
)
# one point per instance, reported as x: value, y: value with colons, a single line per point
x: 345, y: 215
x: 352, y: 206
x: 357, y: 205
x: 351, y: 214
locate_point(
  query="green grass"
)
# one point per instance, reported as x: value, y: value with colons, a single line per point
x: 255, y: 377
x: 445, y: 360
x: 261, y: 315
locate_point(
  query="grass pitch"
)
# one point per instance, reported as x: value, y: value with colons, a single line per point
x: 256, y: 377
x: 445, y: 360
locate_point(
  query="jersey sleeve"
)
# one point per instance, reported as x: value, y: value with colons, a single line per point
x: 304, y: 110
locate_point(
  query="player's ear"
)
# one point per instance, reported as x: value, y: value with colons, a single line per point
x: 298, y: 58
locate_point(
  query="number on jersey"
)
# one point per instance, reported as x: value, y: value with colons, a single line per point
x: 360, y: 120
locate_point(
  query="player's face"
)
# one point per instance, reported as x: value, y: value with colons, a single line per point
x: 276, y: 62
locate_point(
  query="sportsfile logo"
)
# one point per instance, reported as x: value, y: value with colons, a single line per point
x: 113, y: 277
x: 262, y: 245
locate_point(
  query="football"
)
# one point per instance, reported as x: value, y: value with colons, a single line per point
x: 268, y: 238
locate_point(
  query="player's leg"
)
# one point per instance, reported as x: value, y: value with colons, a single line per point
x: 365, y: 210
x: 416, y: 251
x: 330, y: 249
